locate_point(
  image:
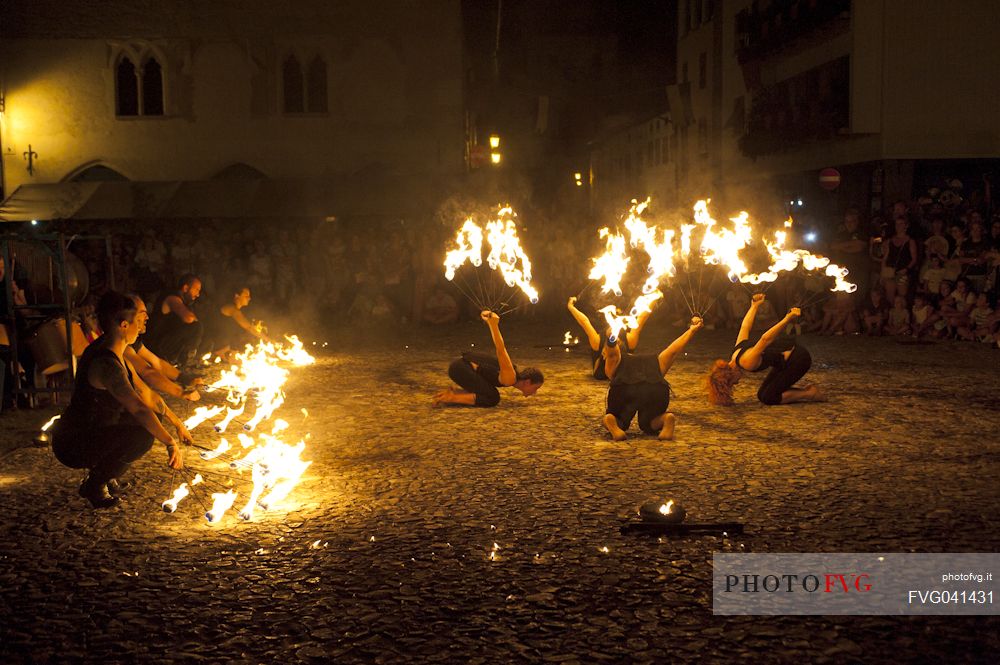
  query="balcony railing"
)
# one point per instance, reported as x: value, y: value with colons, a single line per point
x: 784, y: 23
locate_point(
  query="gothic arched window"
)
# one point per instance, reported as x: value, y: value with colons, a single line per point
x: 291, y: 76
x: 316, y: 85
x: 152, y: 88
x: 126, y: 88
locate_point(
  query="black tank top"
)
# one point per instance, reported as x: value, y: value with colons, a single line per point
x: 771, y: 357
x: 899, y: 256
x: 91, y: 407
x: 488, y: 366
x: 597, y: 358
x: 638, y: 368
x: 163, y: 326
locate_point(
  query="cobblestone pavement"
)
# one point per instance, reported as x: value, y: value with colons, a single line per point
x: 384, y: 551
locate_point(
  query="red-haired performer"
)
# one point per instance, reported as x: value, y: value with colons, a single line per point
x: 639, y: 386
x: 788, y: 361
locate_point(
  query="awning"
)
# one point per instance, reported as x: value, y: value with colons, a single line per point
x: 348, y: 196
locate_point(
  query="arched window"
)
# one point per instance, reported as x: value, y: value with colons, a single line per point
x: 126, y: 88
x: 316, y: 85
x: 291, y: 75
x: 152, y: 88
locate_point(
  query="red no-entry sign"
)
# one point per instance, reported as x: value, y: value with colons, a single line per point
x: 829, y: 178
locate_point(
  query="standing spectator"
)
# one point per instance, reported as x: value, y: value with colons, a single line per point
x: 973, y: 256
x: 899, y: 260
x: 850, y: 249
x: 149, y: 263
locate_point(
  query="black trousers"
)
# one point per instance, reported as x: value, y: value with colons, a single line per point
x: 472, y: 381
x: 649, y: 400
x: 177, y: 342
x: 780, y: 380
x: 106, y: 451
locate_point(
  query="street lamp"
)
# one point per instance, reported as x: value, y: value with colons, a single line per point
x: 494, y: 141
x: 578, y: 177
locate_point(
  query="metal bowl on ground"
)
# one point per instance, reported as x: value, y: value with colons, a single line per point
x: 662, y: 512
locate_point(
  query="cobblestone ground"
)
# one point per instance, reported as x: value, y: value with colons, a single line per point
x: 383, y: 552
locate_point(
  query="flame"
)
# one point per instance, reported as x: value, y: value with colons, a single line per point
x: 723, y: 247
x: 230, y: 416
x: 666, y: 508
x: 506, y: 253
x: 221, y: 502
x: 784, y: 260
x: 47, y: 425
x: 201, y: 414
x: 611, y: 265
x: 219, y: 449
x: 469, y: 241
x: 170, y: 505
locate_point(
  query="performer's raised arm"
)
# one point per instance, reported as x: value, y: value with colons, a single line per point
x: 593, y: 337
x: 507, y: 373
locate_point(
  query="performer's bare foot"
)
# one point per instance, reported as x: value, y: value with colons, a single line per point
x: 611, y: 423
x: 667, y: 431
x: 817, y: 394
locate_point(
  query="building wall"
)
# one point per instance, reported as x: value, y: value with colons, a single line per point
x: 923, y: 84
x: 394, y: 90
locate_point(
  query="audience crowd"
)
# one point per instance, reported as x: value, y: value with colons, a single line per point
x: 927, y: 269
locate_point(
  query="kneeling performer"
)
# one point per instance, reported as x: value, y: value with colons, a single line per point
x: 478, y: 375
x: 639, y: 386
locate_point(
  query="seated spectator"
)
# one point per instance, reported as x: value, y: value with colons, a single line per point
x: 839, y: 316
x: 973, y: 256
x: 980, y: 318
x: 954, y: 307
x: 899, y: 318
x: 174, y: 329
x: 227, y: 329
x: 922, y: 316
x: 440, y: 307
x: 874, y: 312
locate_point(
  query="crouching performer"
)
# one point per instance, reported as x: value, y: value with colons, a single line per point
x: 787, y: 360
x: 478, y: 375
x: 639, y: 386
x: 111, y: 419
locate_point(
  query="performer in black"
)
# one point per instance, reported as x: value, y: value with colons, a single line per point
x: 639, y: 386
x: 598, y: 340
x: 480, y: 374
x: 787, y: 359
x: 174, y: 329
x: 111, y: 420
x: 227, y: 329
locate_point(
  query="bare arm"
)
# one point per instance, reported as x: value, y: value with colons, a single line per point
x: 156, y: 403
x: 158, y: 363
x: 632, y: 336
x: 151, y: 375
x: 593, y: 337
x: 750, y: 360
x: 669, y: 354
x: 109, y: 375
x: 507, y: 374
x: 244, y: 323
x: 178, y: 307
x: 749, y: 318
x: 612, y: 359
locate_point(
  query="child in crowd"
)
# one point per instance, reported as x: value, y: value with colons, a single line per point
x: 899, y: 318
x: 921, y: 315
x: 980, y: 317
x: 932, y: 276
x: 955, y: 307
x: 874, y: 312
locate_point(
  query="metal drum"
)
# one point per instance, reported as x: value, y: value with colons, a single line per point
x: 38, y: 262
x: 48, y: 345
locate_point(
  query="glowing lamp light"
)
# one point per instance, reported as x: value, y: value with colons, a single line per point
x: 494, y: 141
x: 495, y: 157
x: 810, y: 237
